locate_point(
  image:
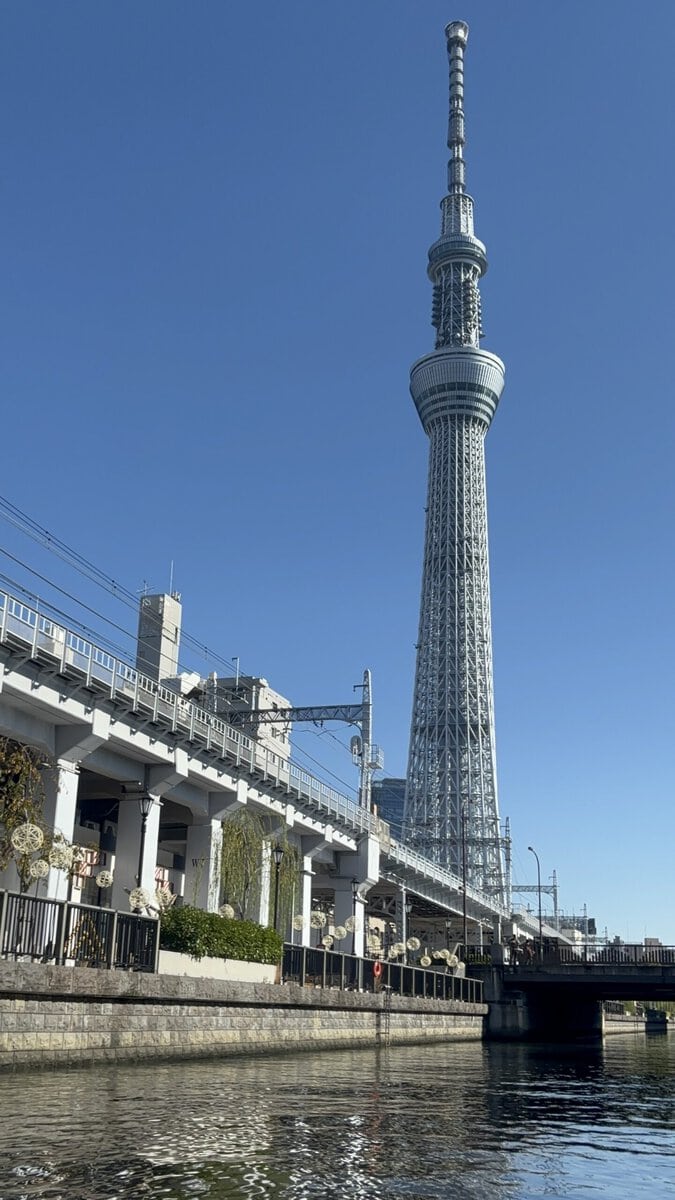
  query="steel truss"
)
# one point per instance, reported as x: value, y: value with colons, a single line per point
x: 451, y: 810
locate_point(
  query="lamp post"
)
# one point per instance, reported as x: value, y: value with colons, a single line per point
x: 541, y: 940
x: 145, y: 803
x: 355, y: 896
x: 277, y: 855
x: 406, y: 909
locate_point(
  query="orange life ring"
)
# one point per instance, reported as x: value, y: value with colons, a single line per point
x: 377, y: 969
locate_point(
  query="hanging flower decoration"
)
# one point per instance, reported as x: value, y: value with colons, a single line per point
x: 27, y: 838
x: 299, y: 922
x: 339, y: 932
x: 79, y: 854
x: 227, y: 911
x: 139, y: 898
x: 425, y: 961
x: 60, y: 856
x: 413, y: 943
x: 452, y: 960
x: 327, y: 941
x: 104, y: 879
x: 39, y: 868
x: 393, y: 952
x: 399, y: 947
x: 317, y: 919
x: 350, y: 924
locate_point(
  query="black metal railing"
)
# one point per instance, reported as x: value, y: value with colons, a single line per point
x: 33, y: 929
x: 633, y: 954
x: 314, y: 967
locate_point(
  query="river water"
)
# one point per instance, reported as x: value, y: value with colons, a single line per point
x: 469, y: 1121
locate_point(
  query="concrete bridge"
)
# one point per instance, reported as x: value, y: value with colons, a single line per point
x: 111, y: 733
x: 559, y: 997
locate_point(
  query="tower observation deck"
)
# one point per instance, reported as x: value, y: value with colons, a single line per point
x: 451, y: 811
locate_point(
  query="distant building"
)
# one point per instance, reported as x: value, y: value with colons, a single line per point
x: 157, y: 657
x: 388, y: 796
x: 159, y: 625
x: 248, y: 694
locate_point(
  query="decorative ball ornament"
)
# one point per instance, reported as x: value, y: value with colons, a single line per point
x: 299, y: 922
x: 339, y: 932
x: 425, y: 961
x: 327, y: 941
x: 60, y: 856
x: 350, y: 924
x: 227, y: 911
x: 452, y: 960
x: 39, y: 868
x: 139, y: 898
x: 27, y: 838
x: 393, y: 952
x: 317, y: 919
x: 399, y: 947
x: 413, y: 943
x: 104, y: 879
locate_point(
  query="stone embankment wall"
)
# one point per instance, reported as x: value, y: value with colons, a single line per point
x: 622, y: 1023
x: 64, y: 1015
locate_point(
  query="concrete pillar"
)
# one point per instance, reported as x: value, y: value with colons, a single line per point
x: 364, y: 867
x: 128, y: 849
x: 264, y: 915
x: 59, y: 813
x: 345, y: 908
x: 305, y: 905
x: 203, y: 860
x: 310, y: 846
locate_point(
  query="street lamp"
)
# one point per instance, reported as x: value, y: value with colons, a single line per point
x: 541, y: 940
x: 145, y: 803
x: 355, y: 896
x: 406, y: 909
x: 277, y: 855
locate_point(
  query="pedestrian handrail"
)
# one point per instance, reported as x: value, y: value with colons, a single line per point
x: 315, y: 967
x: 635, y: 954
x: 38, y: 929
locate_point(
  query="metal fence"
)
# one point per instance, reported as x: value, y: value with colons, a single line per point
x: 631, y: 954
x: 33, y: 929
x: 328, y: 969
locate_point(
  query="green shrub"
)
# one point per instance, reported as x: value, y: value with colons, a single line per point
x: 190, y: 931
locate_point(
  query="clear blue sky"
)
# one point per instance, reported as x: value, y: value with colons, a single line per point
x: 216, y: 223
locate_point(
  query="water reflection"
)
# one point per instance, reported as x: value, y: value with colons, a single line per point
x: 503, y: 1122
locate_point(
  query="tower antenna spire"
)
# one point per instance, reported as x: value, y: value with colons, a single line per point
x: 456, y: 33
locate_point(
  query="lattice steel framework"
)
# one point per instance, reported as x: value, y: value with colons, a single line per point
x: 451, y: 811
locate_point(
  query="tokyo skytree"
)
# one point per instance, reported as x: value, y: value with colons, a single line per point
x: 451, y: 812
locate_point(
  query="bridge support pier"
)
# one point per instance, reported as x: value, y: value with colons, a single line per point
x: 128, y: 850
x: 59, y: 814
x: 203, y: 855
